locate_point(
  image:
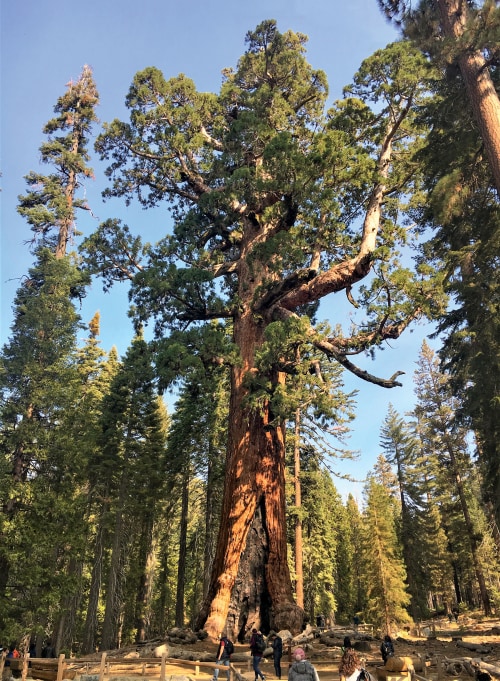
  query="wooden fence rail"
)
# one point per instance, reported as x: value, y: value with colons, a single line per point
x: 62, y: 668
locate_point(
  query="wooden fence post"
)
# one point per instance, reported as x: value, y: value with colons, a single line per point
x: 423, y: 664
x: 439, y: 667
x: 60, y: 667
x: 102, y: 667
x: 163, y: 665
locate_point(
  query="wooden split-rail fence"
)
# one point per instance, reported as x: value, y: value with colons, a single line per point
x: 62, y: 668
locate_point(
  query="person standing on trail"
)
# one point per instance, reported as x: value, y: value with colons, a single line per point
x: 277, y: 646
x: 257, y: 648
x: 387, y: 648
x: 223, y: 656
x: 301, y: 669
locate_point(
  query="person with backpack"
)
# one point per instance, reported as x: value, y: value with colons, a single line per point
x: 387, y: 648
x: 257, y: 648
x: 301, y: 669
x: 223, y: 656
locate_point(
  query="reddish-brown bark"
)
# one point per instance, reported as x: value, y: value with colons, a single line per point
x: 255, y: 484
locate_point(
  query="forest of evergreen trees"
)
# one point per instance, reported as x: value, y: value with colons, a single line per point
x: 119, y: 520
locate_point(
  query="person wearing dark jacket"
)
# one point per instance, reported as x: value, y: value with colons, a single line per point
x: 223, y: 656
x: 387, y: 648
x: 257, y: 648
x: 277, y: 646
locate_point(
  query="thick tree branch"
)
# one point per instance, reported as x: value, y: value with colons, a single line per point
x: 332, y: 351
x: 361, y: 373
x: 384, y: 332
x: 211, y: 141
x: 345, y: 274
x: 281, y: 288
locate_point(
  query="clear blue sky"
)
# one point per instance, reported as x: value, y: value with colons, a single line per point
x: 45, y: 43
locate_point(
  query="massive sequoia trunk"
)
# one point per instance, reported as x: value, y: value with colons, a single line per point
x: 253, y: 520
x: 250, y: 601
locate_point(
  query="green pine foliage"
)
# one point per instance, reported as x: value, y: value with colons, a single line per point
x: 401, y: 448
x: 349, y: 582
x: 447, y: 443
x: 130, y: 469
x: 50, y: 206
x: 463, y: 211
x: 384, y: 572
x: 320, y: 512
x: 109, y: 507
x: 39, y: 384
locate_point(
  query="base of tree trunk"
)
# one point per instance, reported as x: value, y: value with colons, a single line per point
x: 251, y: 606
x: 250, y: 603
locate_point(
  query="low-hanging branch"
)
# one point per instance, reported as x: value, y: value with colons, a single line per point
x: 333, y: 352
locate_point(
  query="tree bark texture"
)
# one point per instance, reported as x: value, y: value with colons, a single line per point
x: 181, y: 563
x: 299, y: 573
x: 250, y: 602
x: 90, y: 629
x: 110, y: 625
x: 255, y: 483
x: 146, y: 557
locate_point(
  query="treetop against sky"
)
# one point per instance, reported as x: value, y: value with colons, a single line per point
x: 199, y: 40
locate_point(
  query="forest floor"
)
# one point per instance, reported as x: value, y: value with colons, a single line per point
x: 438, y: 639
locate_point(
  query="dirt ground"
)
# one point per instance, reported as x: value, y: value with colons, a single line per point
x: 438, y: 640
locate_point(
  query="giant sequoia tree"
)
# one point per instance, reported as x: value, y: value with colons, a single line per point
x: 276, y: 205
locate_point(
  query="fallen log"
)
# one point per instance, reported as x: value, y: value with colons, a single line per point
x: 51, y: 674
x: 182, y: 654
x: 456, y: 663
x: 457, y: 668
x: 485, y: 666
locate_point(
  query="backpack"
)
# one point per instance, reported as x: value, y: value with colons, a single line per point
x: 387, y: 649
x: 365, y: 676
x: 260, y: 644
x: 228, y: 646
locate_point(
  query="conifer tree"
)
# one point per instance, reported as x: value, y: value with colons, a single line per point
x: 128, y: 472
x: 51, y: 203
x: 320, y: 513
x: 435, y: 412
x: 38, y: 385
x: 196, y: 446
x: 38, y: 381
x: 81, y: 423
x: 350, y: 556
x: 266, y: 193
x: 468, y: 38
x: 387, y: 598
x: 461, y: 166
x: 400, y: 446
